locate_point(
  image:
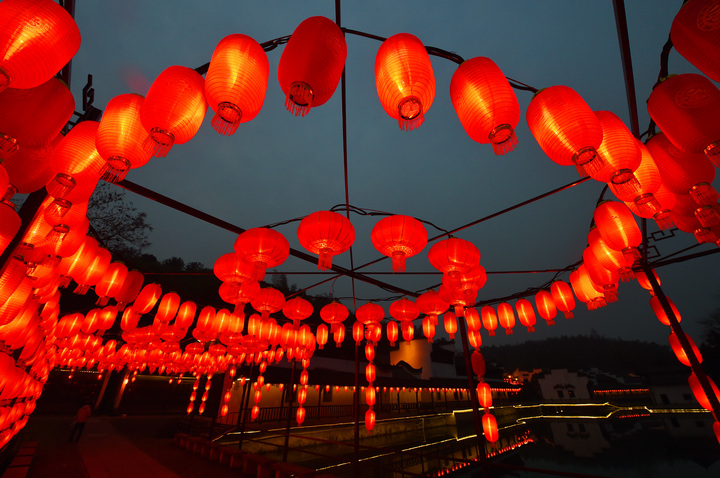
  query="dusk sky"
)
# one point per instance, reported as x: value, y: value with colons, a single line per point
x: 279, y: 167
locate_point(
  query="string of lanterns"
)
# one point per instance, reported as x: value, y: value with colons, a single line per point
x: 667, y: 179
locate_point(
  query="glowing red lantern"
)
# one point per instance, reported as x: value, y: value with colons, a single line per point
x: 608, y: 257
x: 404, y: 79
x: 478, y: 363
x: 338, y: 335
x: 268, y: 301
x: 174, y: 108
x: 297, y: 309
x: 9, y: 224
x: 399, y: 237
x: 450, y: 322
x: 526, y: 314
x: 358, y: 332
x: 695, y: 36
x: 506, y: 317
x: 563, y: 297
x: 370, y: 396
x: 452, y: 257
x: 370, y: 313
x: 474, y: 338
x: 327, y: 234
x: 392, y: 332
x: 489, y: 319
x: 37, y: 38
x: 680, y: 352
x: 684, y: 108
x: 660, y: 311
x: 404, y: 310
x: 370, y: 372
x: 620, y: 152
x: 111, y: 282
x: 431, y: 304
x: 618, y: 228
x: 321, y: 335
x: 644, y: 282
x: 168, y: 307
x: 370, y: 419
x: 546, y: 306
x: 263, y: 248
x: 408, y: 331
x: 472, y: 318
x: 236, y: 82
x: 567, y: 130
x: 311, y: 64
x: 94, y: 272
x: 607, y: 279
x: 484, y: 395
x: 490, y: 428
x: 428, y: 328
x: 699, y: 391
x: 485, y: 103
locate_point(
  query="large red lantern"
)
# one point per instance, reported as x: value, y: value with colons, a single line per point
x: 660, y: 310
x: 334, y: 313
x: 607, y: 279
x: 431, y: 304
x: 268, y: 301
x: 404, y: 79
x: 174, y: 108
x: 563, y: 297
x: 567, y: 130
x: 370, y: 313
x: 297, y: 309
x: 399, y: 237
x: 232, y: 269
x: 262, y: 248
x: 618, y: 228
x: 695, y: 35
x: 236, y: 82
x: 620, y: 152
x: 327, y: 234
x: 111, y: 282
x: 311, y: 64
x: 485, y: 103
x: 121, y: 135
x: 404, y: 310
x: 37, y: 38
x: 453, y: 256
x: 685, y: 107
x: 609, y: 257
x: 94, y: 272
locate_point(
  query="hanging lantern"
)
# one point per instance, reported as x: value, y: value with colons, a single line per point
x: 9, y: 224
x: 490, y: 428
x: 263, y: 248
x: 472, y: 319
x: 147, y: 298
x: 607, y: 279
x: 682, y: 172
x: 489, y: 319
x: 477, y: 361
x: 399, y: 237
x: 684, y: 107
x: 452, y: 257
x: 370, y: 420
x: 506, y: 317
x: 683, y: 216
x: 586, y: 290
x: 408, y: 331
x: 526, y: 314
x: 431, y: 304
x: 404, y: 79
x: 327, y: 234
x: 695, y: 36
x: 168, y: 307
x: 404, y: 310
x: 450, y: 322
x: 474, y: 338
x: 660, y: 311
x: 338, y: 334
x: 484, y: 395
x: 236, y: 82
x: 644, y: 282
x: 76, y: 165
x: 92, y: 275
x: 311, y: 64
x: 428, y: 328
x: 485, y: 104
x: 392, y: 332
x: 370, y: 313
x: 232, y: 269
x: 699, y: 391
x: 621, y: 154
x: 174, y: 108
x: 370, y: 372
x: 563, y: 297
x: 567, y: 130
x: 609, y: 257
x: 111, y: 282
x: 679, y: 351
x: 370, y: 396
x: 297, y: 309
x: 618, y: 228
x: 33, y: 118
x: 121, y: 135
x: 321, y: 335
x: 37, y: 39
x: 268, y: 301
x: 546, y: 306
x: 358, y: 332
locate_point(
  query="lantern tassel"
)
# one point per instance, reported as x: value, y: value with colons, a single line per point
x: 663, y: 220
x: 299, y: 98
x: 625, y: 182
x: 569, y: 314
x: 707, y: 216
x: 550, y: 322
x: 159, y: 142
x: 411, y: 124
x: 626, y: 274
x: 713, y: 153
x: 398, y: 261
x: 503, y: 139
x: 631, y: 254
x: 102, y: 301
x: 117, y: 169
x: 226, y: 119
x: 81, y: 289
x: 325, y: 259
x: 704, y: 194
x: 588, y: 161
x: 704, y: 235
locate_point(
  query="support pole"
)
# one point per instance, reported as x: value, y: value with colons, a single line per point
x: 289, y: 409
x: 246, y: 400
x: 356, y: 411
x: 102, y: 389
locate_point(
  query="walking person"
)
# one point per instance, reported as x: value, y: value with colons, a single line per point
x: 81, y: 417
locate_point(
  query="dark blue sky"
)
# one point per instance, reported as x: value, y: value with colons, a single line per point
x: 279, y: 167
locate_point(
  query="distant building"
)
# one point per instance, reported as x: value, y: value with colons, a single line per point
x: 563, y: 385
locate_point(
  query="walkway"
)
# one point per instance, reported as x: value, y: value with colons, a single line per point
x: 137, y: 447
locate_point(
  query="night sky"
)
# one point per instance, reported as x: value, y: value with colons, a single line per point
x: 280, y: 167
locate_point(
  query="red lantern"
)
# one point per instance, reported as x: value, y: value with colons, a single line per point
x: 370, y: 313
x: 311, y: 64
x: 37, y: 38
x: 490, y: 428
x: 485, y: 103
x: 33, y: 118
x: 526, y: 314
x: 147, y: 298
x: 618, y: 228
x: 111, y: 282
x: 484, y: 395
x: 586, y: 290
x: 321, y: 335
x: 236, y: 82
x: 450, y: 322
x: 9, y: 224
x: 268, y: 301
x: 607, y: 279
x: 695, y: 36
x: 168, y: 307
x: 546, y: 306
x: 404, y: 310
x: 370, y: 372
x: 608, y: 257
x: 297, y: 309
x: 233, y: 269
x: 185, y: 315
x: 452, y: 257
x: 431, y: 304
x: 262, y: 248
x: 370, y: 396
x: 474, y: 338
x: 334, y: 313
x: 399, y: 237
x: 428, y: 328
x: 392, y: 332
x: 370, y: 419
x: 121, y: 135
x: 472, y: 318
x: 680, y: 352
x: 94, y: 272
x: 563, y: 297
x: 404, y: 79
x: 566, y: 128
x: 408, y: 331
x: 174, y: 108
x: 506, y: 317
x: 338, y: 335
x: 644, y: 282
x: 489, y: 319
x: 478, y: 363
x: 684, y: 107
x: 358, y: 332
x: 620, y: 152
x: 660, y: 311
x: 699, y: 391
x: 327, y: 234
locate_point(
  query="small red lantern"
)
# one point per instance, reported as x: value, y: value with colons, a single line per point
x: 506, y: 317
x: 431, y: 304
x: 404, y: 310
x: 484, y: 395
x: 526, y: 314
x: 404, y: 79
x: 147, y: 298
x: 370, y: 313
x: 567, y: 130
x: 472, y: 318
x: 478, y: 363
x: 485, y: 103
x: 450, y: 322
x: 408, y: 331
x: 370, y: 372
x: 489, y: 319
x: 399, y: 237
x: 358, y: 332
x: 618, y: 228
x: 168, y: 307
x: 327, y: 234
x: 699, y: 391
x: 474, y: 338
x: 130, y: 289
x: 37, y: 38
x: 263, y: 248
x: 428, y: 328
x: 392, y: 332
x: 660, y: 311
x: 546, y: 306
x: 236, y: 82
x: 297, y: 309
x: 490, y: 428
x: 311, y: 64
x: 607, y: 279
x: 563, y: 297
x: 321, y: 335
x: 609, y: 257
x: 111, y: 282
x: 370, y: 419
x: 174, y: 108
